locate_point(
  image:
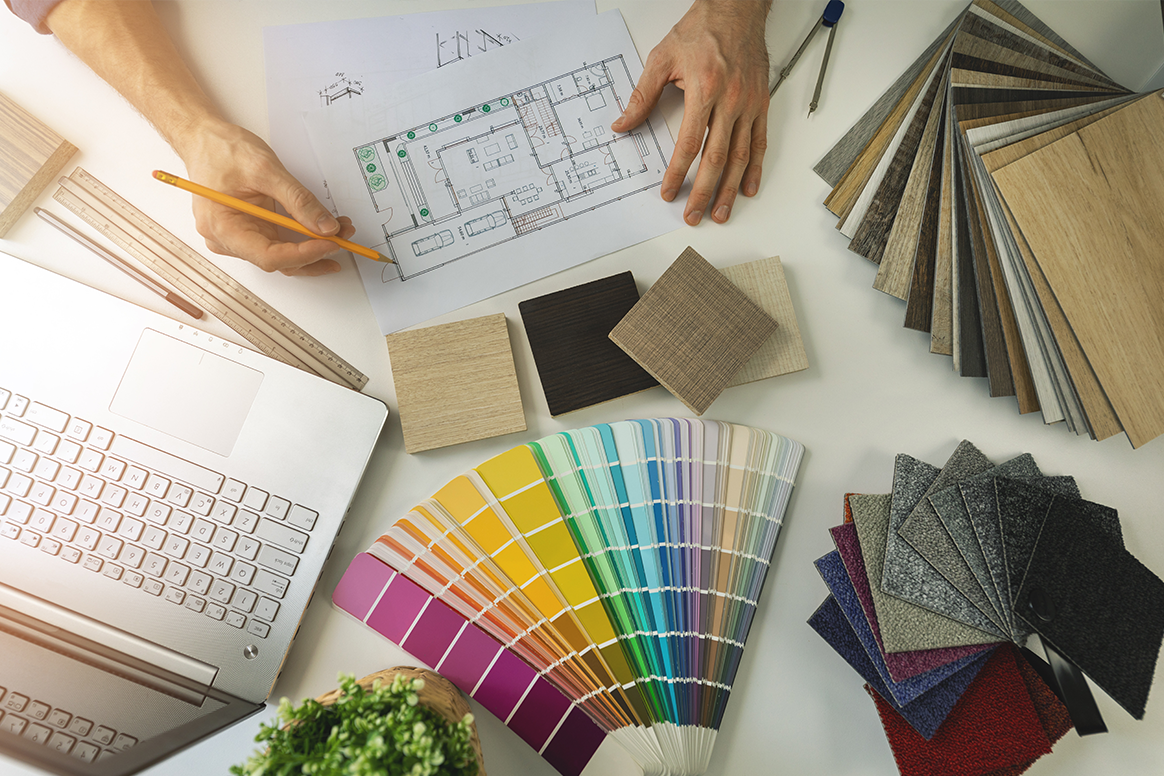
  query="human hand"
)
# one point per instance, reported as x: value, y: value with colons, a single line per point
x: 229, y: 159
x: 716, y: 54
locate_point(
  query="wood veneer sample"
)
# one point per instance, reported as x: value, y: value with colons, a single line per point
x: 783, y: 352
x: 1114, y: 170
x: 31, y: 155
x: 941, y: 319
x: 455, y: 383
x: 569, y: 332
x: 693, y: 331
x: 919, y: 303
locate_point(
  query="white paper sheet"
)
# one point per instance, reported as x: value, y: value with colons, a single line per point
x: 310, y: 66
x: 478, y: 179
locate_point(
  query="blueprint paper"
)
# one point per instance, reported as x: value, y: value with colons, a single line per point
x: 312, y: 66
x: 481, y: 177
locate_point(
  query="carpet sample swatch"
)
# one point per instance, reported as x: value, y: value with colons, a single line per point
x: 569, y: 334
x: 1094, y: 602
x: 693, y: 331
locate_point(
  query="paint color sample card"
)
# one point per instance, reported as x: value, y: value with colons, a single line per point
x: 955, y: 184
x: 1045, y: 561
x: 693, y: 331
x: 783, y: 352
x: 31, y: 155
x: 569, y: 334
x: 455, y: 383
x: 619, y: 564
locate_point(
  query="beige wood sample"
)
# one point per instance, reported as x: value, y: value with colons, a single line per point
x: 1099, y: 249
x: 693, y: 331
x: 455, y: 383
x: 942, y: 317
x: 31, y: 155
x: 783, y: 352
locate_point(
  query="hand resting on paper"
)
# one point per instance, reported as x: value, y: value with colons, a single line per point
x: 124, y: 42
x: 716, y: 54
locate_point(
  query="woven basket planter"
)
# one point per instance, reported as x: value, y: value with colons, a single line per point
x: 439, y: 695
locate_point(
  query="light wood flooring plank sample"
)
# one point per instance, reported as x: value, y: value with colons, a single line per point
x: 455, y: 383
x: 31, y: 155
x: 783, y: 352
x: 941, y: 319
x: 568, y: 333
x: 1099, y: 249
x: 693, y: 331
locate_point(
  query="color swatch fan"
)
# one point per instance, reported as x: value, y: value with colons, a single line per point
x: 598, y: 582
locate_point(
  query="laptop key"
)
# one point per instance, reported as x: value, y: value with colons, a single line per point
x: 12, y: 724
x: 255, y: 499
x: 155, y: 565
x: 270, y: 583
x: 104, y: 735
x: 16, y: 702
x: 244, y: 599
x: 38, y: 710
x: 60, y: 718
x: 221, y: 591
x: 281, y: 535
x: 92, y: 563
x: 233, y: 490
x: 112, y: 571
x: 133, y: 579
x: 267, y: 609
x: 85, y: 752
x: 62, y: 743
x: 215, y: 612
x: 258, y: 629
x: 38, y: 734
x: 64, y: 530
x: 152, y: 586
x: 195, y: 604
x: 278, y: 560
x: 302, y: 517
x: 199, y: 582
x: 80, y: 726
x: 175, y: 596
x: 235, y: 620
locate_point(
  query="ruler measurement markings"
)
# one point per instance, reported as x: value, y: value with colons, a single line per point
x: 232, y: 308
x: 263, y: 326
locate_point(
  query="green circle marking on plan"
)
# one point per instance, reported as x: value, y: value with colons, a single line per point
x: 504, y: 101
x: 402, y: 153
x: 377, y: 182
x: 432, y: 127
x: 370, y: 168
x: 424, y: 212
x: 457, y: 117
x: 486, y: 108
x: 412, y: 136
x: 366, y: 154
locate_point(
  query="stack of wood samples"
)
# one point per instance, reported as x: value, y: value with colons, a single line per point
x: 1011, y: 194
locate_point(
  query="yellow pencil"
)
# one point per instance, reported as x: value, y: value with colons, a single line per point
x: 263, y: 213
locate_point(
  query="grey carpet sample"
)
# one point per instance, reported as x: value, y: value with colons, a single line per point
x: 907, y: 573
x: 903, y: 626
x: 1094, y: 602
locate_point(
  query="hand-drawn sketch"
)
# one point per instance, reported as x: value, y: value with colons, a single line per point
x: 463, y: 44
x: 499, y: 170
x: 340, y: 88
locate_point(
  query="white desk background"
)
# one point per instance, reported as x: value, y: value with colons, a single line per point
x: 872, y: 388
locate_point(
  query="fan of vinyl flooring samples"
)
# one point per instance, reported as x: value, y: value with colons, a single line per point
x: 936, y: 588
x: 1013, y: 196
x: 600, y: 582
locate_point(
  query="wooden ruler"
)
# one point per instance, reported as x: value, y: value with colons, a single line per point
x: 201, y: 281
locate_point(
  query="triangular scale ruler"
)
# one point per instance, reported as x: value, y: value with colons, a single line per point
x: 185, y: 269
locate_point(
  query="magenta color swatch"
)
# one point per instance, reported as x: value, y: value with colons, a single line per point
x: 397, y: 609
x: 361, y: 584
x: 433, y: 634
x: 470, y: 656
x: 504, y: 685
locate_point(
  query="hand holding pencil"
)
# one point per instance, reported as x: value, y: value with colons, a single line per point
x: 263, y: 213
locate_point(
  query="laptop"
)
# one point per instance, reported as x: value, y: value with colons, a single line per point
x: 167, y: 502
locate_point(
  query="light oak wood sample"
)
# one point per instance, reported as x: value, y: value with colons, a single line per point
x: 455, y: 383
x: 763, y: 282
x: 31, y: 156
x: 1099, y: 249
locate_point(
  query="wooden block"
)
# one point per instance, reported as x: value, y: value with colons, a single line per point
x: 31, y: 156
x: 455, y: 383
x: 693, y: 331
x: 569, y: 334
x: 1114, y: 170
x: 763, y: 281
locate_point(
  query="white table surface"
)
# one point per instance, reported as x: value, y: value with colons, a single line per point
x: 872, y: 388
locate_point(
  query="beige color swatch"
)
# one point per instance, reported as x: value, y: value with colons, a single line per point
x: 31, y: 155
x: 1099, y: 249
x: 693, y: 331
x: 763, y: 281
x: 455, y: 383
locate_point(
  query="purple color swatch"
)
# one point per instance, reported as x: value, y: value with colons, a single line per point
x: 901, y: 665
x: 472, y: 660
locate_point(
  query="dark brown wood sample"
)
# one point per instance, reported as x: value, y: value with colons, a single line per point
x: 569, y: 334
x: 919, y: 306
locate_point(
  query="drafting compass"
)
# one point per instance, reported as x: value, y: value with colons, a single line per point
x: 830, y: 17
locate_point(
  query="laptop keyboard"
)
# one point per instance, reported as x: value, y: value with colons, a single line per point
x: 57, y: 729
x: 137, y: 515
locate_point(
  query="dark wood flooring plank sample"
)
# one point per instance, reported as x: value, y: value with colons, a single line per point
x: 569, y: 334
x: 919, y: 305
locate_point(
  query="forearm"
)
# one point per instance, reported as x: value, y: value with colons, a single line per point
x: 124, y: 42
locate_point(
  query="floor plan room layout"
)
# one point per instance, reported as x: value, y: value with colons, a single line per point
x: 499, y: 170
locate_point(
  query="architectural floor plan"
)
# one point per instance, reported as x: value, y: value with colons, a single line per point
x: 502, y: 169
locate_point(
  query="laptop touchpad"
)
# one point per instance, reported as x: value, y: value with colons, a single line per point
x: 186, y: 392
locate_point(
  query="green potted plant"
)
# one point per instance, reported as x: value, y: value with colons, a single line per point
x: 398, y: 722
